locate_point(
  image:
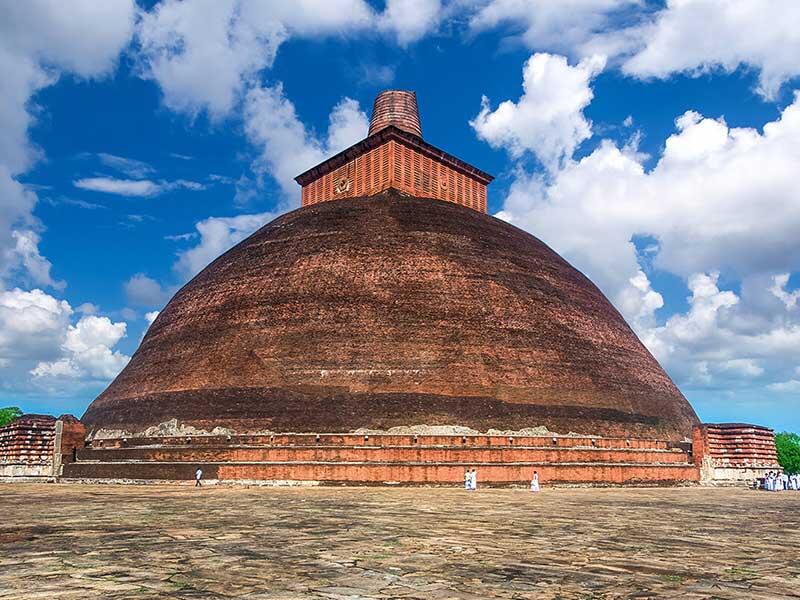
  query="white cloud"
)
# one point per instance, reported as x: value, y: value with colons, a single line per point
x: 217, y: 234
x: 548, y: 118
x: 150, y: 317
x: 410, y: 20
x: 129, y: 166
x: 38, y: 342
x: 141, y: 290
x: 87, y: 350
x: 34, y: 265
x: 38, y: 41
x: 790, y: 386
x: 31, y: 324
x: 287, y: 147
x: 182, y: 42
x: 564, y: 26
x: 719, y: 198
x: 778, y: 289
x: 685, y: 36
x: 134, y: 187
x: 696, y: 36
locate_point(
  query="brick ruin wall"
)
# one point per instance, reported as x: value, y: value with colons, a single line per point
x: 395, y: 165
x: 28, y: 445
x: 734, y: 452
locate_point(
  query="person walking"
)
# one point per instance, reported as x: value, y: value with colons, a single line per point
x: 535, y: 482
x: 198, y: 475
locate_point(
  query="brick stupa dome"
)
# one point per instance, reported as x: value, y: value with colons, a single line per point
x: 389, y: 311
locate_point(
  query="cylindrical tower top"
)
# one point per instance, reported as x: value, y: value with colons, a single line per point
x: 398, y: 108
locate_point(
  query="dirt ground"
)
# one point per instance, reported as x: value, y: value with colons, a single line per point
x: 110, y: 541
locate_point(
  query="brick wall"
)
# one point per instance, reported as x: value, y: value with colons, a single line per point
x: 37, y: 445
x: 394, y: 164
x: 733, y: 451
x: 26, y: 446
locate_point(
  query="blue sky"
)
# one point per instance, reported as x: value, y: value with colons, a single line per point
x: 655, y: 145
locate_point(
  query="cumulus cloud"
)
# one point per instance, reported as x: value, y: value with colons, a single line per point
x: 696, y: 36
x: 217, y: 234
x: 40, y: 343
x: 717, y: 199
x: 778, y: 289
x: 410, y: 20
x: 32, y: 324
x: 712, y: 342
x: 287, y: 147
x: 565, y: 26
x: 684, y: 36
x: 182, y: 42
x: 87, y: 351
x: 38, y: 41
x: 548, y: 119
x: 135, y: 187
x: 141, y: 290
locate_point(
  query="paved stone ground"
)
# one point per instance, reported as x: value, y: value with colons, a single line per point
x: 82, y: 541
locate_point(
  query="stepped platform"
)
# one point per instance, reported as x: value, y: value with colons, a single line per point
x: 377, y: 459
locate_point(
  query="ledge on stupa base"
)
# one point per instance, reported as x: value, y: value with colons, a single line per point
x: 733, y: 453
x: 386, y: 459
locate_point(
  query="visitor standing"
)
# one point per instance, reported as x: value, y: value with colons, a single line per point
x: 198, y: 475
x: 467, y: 480
x: 535, y: 482
x: 474, y: 480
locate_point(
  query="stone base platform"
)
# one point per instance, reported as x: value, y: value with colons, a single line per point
x: 380, y: 459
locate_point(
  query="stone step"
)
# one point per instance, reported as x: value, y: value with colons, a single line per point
x: 336, y: 439
x: 386, y: 454
x: 366, y: 473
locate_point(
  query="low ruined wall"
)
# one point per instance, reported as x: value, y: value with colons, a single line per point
x: 26, y: 447
x: 734, y: 452
x: 38, y: 445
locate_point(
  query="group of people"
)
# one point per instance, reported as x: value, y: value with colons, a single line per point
x: 471, y: 480
x: 778, y: 482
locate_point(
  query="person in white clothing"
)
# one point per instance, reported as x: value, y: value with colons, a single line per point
x: 535, y: 482
x: 467, y: 480
x: 473, y: 480
x: 198, y: 475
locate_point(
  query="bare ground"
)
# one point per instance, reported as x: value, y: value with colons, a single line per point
x: 82, y: 541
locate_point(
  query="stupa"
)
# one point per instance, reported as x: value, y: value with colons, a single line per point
x: 385, y: 330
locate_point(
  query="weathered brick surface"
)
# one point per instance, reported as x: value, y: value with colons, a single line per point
x: 398, y: 108
x: 399, y: 165
x: 431, y: 455
x: 393, y: 311
x: 28, y: 441
x: 734, y: 451
x: 379, y: 473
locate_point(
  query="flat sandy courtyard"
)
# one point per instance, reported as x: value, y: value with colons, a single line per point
x: 79, y: 541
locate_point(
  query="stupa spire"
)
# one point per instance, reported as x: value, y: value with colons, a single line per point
x: 398, y: 108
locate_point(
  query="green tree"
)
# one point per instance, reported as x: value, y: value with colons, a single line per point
x: 8, y: 414
x: 788, y: 447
